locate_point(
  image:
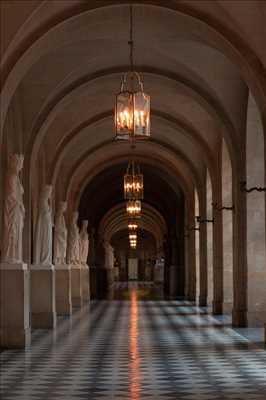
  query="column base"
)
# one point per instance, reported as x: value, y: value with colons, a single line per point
x: 256, y: 318
x: 76, y: 286
x: 202, y: 301
x: 63, y: 289
x: 173, y: 281
x: 15, y: 338
x: 217, y: 308
x: 85, y: 280
x: 43, y: 320
x: 227, y: 307
x: 14, y: 305
x: 239, y: 318
x: 43, y: 297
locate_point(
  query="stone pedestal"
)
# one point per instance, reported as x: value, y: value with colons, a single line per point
x: 158, y: 273
x: 76, y: 286
x: 173, y: 281
x: 148, y: 273
x: 43, y: 308
x: 14, y: 305
x: 239, y: 318
x: 116, y: 273
x: 203, y: 301
x: 110, y: 277
x: 217, y: 307
x: 93, y: 281
x: 85, y: 281
x: 63, y: 289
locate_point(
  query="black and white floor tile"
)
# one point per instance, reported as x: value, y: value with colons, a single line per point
x: 136, y: 350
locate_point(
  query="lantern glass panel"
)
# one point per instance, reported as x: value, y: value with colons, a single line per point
x: 141, y: 115
x: 128, y: 186
x: 134, y: 208
x: 138, y: 186
x: 124, y: 112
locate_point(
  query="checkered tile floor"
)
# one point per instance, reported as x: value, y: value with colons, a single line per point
x: 138, y: 350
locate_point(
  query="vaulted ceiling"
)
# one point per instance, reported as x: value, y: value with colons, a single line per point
x: 64, y: 83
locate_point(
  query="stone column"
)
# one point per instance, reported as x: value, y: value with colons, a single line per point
x: 14, y: 274
x: 173, y: 275
x: 239, y: 313
x: 191, y: 254
x: 203, y: 284
x: 217, y: 306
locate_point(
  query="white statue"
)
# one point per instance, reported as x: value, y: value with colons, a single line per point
x: 60, y: 235
x: 84, y: 242
x: 73, y: 241
x: 14, y: 212
x: 109, y: 255
x: 44, y: 229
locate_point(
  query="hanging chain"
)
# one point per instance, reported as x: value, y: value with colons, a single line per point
x: 130, y: 42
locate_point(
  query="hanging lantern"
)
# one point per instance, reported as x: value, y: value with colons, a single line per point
x: 132, y: 111
x: 132, y: 225
x: 134, y: 208
x: 132, y: 105
x: 133, y: 182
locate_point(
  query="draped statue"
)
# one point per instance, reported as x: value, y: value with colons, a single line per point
x: 60, y: 235
x: 14, y: 212
x: 44, y: 229
x: 84, y: 242
x: 73, y: 241
x: 109, y: 255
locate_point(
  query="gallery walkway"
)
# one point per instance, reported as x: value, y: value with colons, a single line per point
x: 136, y: 349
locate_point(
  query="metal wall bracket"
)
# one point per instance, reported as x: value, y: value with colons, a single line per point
x: 204, y: 221
x: 243, y: 188
x: 215, y: 206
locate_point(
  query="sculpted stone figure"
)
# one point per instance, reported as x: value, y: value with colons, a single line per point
x: 43, y: 232
x: 84, y: 242
x: 60, y: 235
x: 109, y: 255
x: 14, y: 212
x: 73, y: 241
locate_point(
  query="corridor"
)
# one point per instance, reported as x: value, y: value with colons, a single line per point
x: 136, y: 348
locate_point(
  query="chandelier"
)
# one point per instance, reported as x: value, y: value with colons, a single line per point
x: 132, y: 226
x: 133, y: 182
x: 133, y: 240
x: 134, y: 208
x: 132, y: 105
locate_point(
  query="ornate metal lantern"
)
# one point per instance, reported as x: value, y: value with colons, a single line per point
x: 133, y: 183
x: 134, y: 208
x: 132, y: 110
x: 132, y: 225
x: 132, y: 105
